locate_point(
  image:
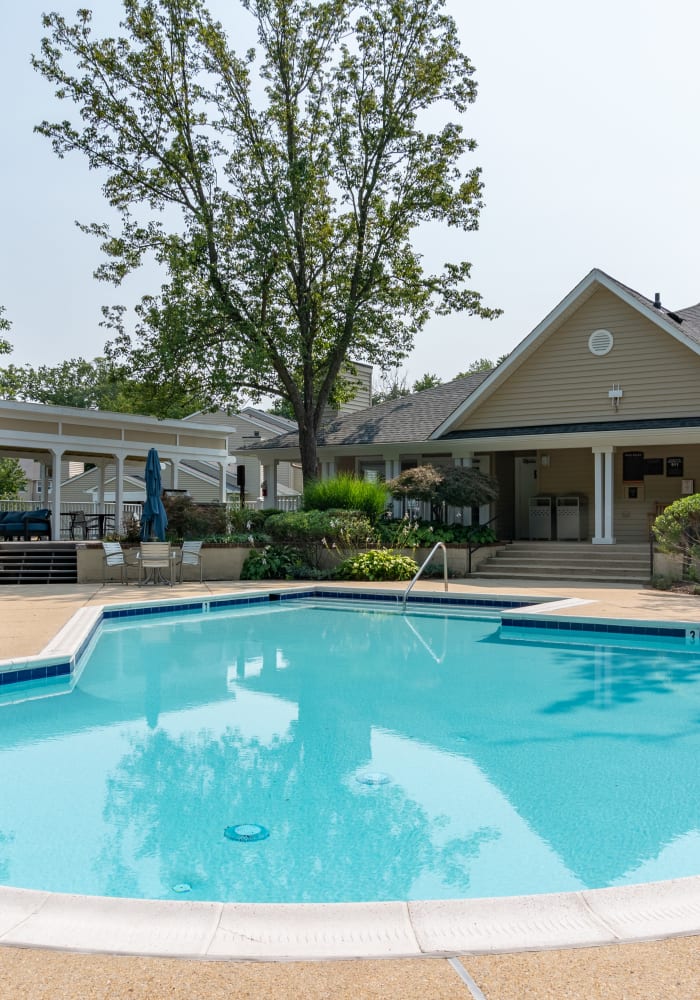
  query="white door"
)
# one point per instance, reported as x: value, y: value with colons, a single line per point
x: 526, y: 486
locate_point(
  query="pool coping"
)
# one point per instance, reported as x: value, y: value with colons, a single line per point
x: 279, y: 932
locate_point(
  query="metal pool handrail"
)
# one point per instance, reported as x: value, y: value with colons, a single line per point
x: 438, y: 545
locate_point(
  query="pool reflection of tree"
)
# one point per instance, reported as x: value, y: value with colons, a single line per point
x: 612, y: 677
x: 202, y: 783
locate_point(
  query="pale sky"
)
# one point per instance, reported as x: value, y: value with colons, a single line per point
x: 587, y: 124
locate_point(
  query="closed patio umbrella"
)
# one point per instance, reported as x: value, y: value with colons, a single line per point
x: 154, y: 520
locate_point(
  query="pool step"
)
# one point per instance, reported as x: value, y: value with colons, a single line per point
x: 577, y: 562
x: 38, y: 562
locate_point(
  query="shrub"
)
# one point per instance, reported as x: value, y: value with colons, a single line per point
x: 450, y: 484
x: 274, y: 562
x: 347, y: 493
x: 314, y: 531
x: 378, y: 564
x: 242, y: 521
x: 187, y: 519
x: 677, y: 530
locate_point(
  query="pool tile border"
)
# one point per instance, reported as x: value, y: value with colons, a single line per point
x: 61, y: 656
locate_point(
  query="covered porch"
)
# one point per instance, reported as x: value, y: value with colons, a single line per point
x: 55, y: 435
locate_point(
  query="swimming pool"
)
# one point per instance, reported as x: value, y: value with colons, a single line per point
x: 482, y: 759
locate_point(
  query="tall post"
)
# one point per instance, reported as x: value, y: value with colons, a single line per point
x: 604, y: 495
x: 56, y: 457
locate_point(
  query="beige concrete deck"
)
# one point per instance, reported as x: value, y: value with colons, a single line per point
x: 669, y: 968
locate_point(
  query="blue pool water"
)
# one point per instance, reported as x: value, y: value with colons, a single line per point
x: 303, y: 753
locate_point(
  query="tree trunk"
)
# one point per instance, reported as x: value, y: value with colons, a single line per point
x: 308, y: 452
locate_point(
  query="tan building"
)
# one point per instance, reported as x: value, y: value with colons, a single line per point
x: 591, y: 425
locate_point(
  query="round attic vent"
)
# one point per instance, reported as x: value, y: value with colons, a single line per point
x: 600, y: 342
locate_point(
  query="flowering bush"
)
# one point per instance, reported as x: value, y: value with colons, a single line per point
x: 378, y: 564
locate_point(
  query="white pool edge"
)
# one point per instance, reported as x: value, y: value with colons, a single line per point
x: 294, y: 932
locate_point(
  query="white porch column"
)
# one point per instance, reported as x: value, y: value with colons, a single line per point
x: 44, y: 480
x: 270, y: 480
x: 100, y: 486
x: 392, y: 468
x: 119, y: 460
x: 174, y: 473
x: 223, y: 472
x: 604, y: 495
x: 56, y: 456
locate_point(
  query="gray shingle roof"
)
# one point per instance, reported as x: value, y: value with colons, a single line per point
x: 407, y: 419
x: 687, y: 320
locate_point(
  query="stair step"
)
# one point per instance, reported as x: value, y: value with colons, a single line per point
x: 571, y: 562
x: 38, y: 563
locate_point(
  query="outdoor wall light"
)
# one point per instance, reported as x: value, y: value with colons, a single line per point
x: 615, y: 395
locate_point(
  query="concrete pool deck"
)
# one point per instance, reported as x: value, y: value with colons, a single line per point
x: 32, y: 615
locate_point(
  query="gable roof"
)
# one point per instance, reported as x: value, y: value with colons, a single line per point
x: 408, y: 419
x: 684, y: 326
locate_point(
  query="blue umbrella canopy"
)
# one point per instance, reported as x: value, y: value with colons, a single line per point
x: 154, y: 520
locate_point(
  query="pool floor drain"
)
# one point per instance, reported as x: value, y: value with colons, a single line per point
x: 246, y: 833
x: 373, y: 778
x: 182, y: 887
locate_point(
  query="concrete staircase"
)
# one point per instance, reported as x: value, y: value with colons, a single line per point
x: 572, y: 562
x: 38, y: 562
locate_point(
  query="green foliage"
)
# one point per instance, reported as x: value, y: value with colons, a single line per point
x: 394, y: 386
x: 450, y: 484
x: 279, y: 191
x: 410, y: 534
x: 101, y: 384
x: 274, y: 562
x: 12, y: 479
x: 315, y: 531
x: 378, y: 564
x: 5, y: 345
x: 347, y: 493
x: 243, y: 521
x: 677, y: 531
x: 187, y: 520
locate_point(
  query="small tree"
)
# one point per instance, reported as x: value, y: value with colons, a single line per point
x: 12, y: 479
x: 677, y: 531
x: 452, y: 485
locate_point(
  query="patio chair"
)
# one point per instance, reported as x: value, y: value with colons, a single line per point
x: 191, y: 555
x: 114, y: 556
x: 155, y: 557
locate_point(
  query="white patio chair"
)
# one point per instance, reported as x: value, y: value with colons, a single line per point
x: 154, y: 557
x: 191, y: 555
x: 113, y: 555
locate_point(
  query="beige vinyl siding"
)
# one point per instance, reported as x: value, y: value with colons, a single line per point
x: 94, y: 431
x: 20, y: 426
x: 561, y: 381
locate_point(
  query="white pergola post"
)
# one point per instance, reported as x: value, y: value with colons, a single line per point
x: 56, y: 457
x: 119, y: 460
x: 100, y: 486
x: 603, y: 495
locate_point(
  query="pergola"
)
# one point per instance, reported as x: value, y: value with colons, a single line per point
x: 52, y: 434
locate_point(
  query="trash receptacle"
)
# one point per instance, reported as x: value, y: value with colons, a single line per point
x: 540, y: 518
x: 568, y: 516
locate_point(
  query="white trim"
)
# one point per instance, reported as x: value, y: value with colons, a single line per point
x: 548, y: 325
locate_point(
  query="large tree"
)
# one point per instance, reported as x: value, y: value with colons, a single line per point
x: 99, y: 384
x: 278, y: 189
